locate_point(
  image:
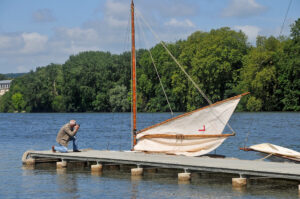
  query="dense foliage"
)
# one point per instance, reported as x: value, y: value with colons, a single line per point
x: 2, y: 77
x: 13, y: 75
x: 221, y: 62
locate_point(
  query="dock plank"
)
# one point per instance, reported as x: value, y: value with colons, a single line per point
x: 226, y: 165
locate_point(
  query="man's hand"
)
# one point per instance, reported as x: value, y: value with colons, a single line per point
x: 77, y: 127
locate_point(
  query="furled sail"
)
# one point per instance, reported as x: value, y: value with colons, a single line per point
x: 192, y: 134
x: 275, y: 150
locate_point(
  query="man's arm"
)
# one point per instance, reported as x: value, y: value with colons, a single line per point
x: 72, y: 133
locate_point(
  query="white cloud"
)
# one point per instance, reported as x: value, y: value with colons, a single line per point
x: 10, y: 42
x: 22, y: 43
x: 170, y: 8
x: 250, y: 31
x: 79, y: 34
x: 116, y: 13
x: 184, y: 23
x: 243, y: 8
x: 22, y: 69
x: 117, y: 8
x: 27, y: 50
x: 43, y: 15
x: 34, y: 43
x: 178, y: 9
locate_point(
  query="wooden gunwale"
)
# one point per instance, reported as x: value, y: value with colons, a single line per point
x: 181, y: 136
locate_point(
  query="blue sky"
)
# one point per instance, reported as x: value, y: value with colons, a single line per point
x: 36, y: 33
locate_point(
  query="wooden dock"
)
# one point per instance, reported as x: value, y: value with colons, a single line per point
x: 244, y: 168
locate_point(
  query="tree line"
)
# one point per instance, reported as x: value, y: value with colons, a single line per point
x: 220, y: 61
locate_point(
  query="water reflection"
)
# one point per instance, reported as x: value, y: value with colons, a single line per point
x: 135, y: 180
x: 67, y: 183
x: 240, y: 190
x: 96, y: 173
x: 184, y: 182
x: 61, y: 171
x: 28, y: 170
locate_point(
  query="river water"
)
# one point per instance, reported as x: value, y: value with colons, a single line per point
x: 22, y: 132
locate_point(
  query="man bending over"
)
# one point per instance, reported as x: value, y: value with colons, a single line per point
x: 67, y: 133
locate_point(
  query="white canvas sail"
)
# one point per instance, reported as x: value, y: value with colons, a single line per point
x: 191, y: 134
x: 276, y: 150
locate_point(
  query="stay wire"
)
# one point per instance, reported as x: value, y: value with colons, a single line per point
x: 248, y: 133
x: 183, y: 70
x: 287, y: 11
x: 154, y: 65
x: 127, y: 36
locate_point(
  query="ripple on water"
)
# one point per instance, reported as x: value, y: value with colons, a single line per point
x: 21, y: 132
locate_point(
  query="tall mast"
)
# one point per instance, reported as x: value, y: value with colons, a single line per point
x: 133, y: 75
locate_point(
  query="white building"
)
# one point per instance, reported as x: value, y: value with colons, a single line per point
x: 4, y: 86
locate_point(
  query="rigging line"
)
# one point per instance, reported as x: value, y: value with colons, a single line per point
x: 161, y: 84
x: 246, y: 139
x: 127, y: 36
x: 184, y: 71
x: 287, y: 11
x: 153, y: 62
x: 265, y: 157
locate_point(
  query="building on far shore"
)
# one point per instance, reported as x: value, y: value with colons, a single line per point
x: 4, y: 86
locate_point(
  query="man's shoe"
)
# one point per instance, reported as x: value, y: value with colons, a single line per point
x: 53, y: 150
x: 76, y: 151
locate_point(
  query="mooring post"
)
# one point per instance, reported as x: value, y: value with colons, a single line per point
x: 96, y: 168
x: 137, y: 171
x: 239, y: 182
x: 62, y: 164
x: 186, y: 176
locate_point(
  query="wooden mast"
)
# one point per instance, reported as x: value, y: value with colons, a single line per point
x: 133, y: 75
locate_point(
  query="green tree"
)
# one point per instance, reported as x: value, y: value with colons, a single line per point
x: 118, y: 99
x: 259, y: 75
x: 289, y: 71
x: 213, y: 60
x: 2, y: 77
x: 18, y: 102
x: 5, y: 103
x: 58, y: 104
x: 254, y: 104
x: 220, y: 61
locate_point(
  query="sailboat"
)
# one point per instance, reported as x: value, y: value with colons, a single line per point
x: 273, y: 150
x: 191, y: 134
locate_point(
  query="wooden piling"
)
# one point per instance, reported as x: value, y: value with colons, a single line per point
x: 184, y: 176
x: 62, y: 164
x: 96, y: 168
x: 137, y: 171
x: 239, y: 182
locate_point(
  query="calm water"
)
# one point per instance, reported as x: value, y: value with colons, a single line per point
x: 21, y: 132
